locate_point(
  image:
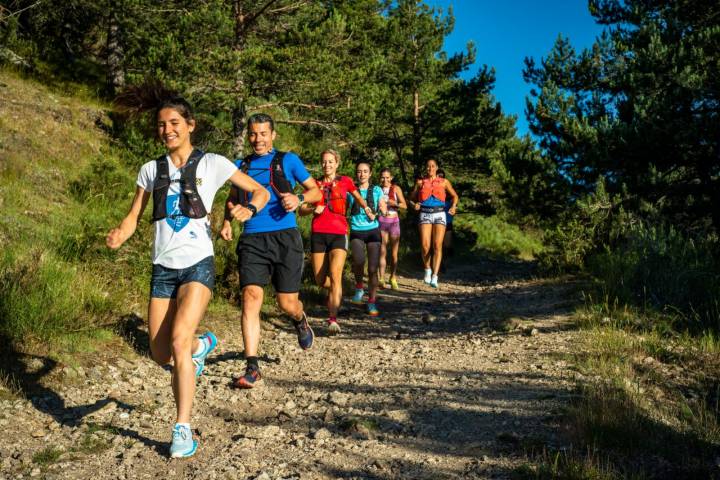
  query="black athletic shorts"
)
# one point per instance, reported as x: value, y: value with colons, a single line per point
x: 324, y: 242
x: 367, y: 236
x: 271, y: 256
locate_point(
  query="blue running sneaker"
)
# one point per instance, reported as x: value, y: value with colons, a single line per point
x: 305, y: 334
x: 183, y: 445
x: 373, y: 310
x: 357, y: 299
x: 208, y: 341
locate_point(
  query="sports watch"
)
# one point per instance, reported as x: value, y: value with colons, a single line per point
x: 252, y: 208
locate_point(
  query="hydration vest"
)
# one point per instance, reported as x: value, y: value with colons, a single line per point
x: 392, y: 195
x: 333, y: 196
x: 278, y: 180
x: 434, y: 187
x: 370, y: 200
x: 190, y: 204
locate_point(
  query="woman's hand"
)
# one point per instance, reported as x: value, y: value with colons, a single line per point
x: 370, y: 214
x: 115, y: 238
x: 452, y: 211
x: 226, y: 232
x: 416, y: 206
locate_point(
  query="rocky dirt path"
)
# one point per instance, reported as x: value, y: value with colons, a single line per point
x: 455, y: 383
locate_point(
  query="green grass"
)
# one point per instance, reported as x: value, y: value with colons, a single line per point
x: 47, y: 456
x: 649, y: 395
x: 659, y: 270
x: 492, y: 235
x: 568, y: 465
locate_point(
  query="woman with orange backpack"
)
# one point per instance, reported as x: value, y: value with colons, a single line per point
x: 328, y: 239
x: 430, y: 195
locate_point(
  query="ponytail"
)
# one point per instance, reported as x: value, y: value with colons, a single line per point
x: 152, y: 95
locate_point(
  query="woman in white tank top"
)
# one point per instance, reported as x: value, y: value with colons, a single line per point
x: 390, y: 227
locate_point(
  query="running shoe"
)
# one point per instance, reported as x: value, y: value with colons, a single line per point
x: 304, y: 333
x: 358, y: 297
x: 182, y: 445
x: 208, y: 342
x: 434, y: 281
x: 428, y: 275
x: 333, y: 327
x: 372, y: 310
x: 394, y: 284
x: 251, y: 378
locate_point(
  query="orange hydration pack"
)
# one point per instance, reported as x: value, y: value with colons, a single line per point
x: 434, y: 187
x: 333, y: 196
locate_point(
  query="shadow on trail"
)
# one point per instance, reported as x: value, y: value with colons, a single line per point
x: 420, y: 313
x: 26, y: 373
x: 467, y: 417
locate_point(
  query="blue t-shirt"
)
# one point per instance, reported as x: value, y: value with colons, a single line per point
x: 361, y: 222
x: 433, y: 201
x: 273, y: 217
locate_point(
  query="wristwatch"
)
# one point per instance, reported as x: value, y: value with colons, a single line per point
x: 252, y: 208
x: 301, y: 199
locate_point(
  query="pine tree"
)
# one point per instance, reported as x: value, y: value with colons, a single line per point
x: 639, y: 108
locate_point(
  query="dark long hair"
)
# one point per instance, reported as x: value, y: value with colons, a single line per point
x: 152, y: 96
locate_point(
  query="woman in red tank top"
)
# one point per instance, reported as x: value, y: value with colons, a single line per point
x: 429, y: 196
x: 328, y: 238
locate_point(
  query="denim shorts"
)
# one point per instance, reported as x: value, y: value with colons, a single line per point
x: 165, y: 281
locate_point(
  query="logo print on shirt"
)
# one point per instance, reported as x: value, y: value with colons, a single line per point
x: 193, y: 235
x: 175, y: 219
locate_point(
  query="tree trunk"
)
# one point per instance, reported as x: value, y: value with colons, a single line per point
x: 397, y: 146
x: 416, y: 130
x: 239, y: 15
x: 115, y: 56
x: 239, y: 119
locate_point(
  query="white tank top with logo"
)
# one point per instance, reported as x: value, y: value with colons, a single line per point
x: 391, y: 211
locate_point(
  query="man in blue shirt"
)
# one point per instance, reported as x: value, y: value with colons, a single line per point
x: 270, y: 248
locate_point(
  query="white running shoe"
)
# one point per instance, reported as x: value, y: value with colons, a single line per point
x: 428, y: 275
x: 434, y: 281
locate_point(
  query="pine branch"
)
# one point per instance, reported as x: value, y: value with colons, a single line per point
x: 317, y: 123
x: 4, y: 17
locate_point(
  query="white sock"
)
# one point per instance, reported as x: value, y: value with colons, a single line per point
x: 200, y: 348
x: 434, y: 278
x: 186, y: 425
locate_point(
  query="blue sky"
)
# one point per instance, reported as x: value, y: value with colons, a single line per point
x: 505, y: 32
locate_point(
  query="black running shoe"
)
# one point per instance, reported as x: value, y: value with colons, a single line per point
x: 304, y: 333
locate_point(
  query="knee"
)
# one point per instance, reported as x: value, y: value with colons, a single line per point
x: 160, y: 356
x: 291, y: 306
x: 181, y: 343
x: 252, y: 295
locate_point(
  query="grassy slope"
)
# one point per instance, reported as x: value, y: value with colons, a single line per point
x: 56, y: 278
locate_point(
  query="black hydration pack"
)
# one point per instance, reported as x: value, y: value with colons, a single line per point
x: 278, y: 180
x: 369, y: 199
x: 191, y: 204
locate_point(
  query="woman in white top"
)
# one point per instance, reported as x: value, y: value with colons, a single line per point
x: 390, y: 227
x: 183, y: 184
